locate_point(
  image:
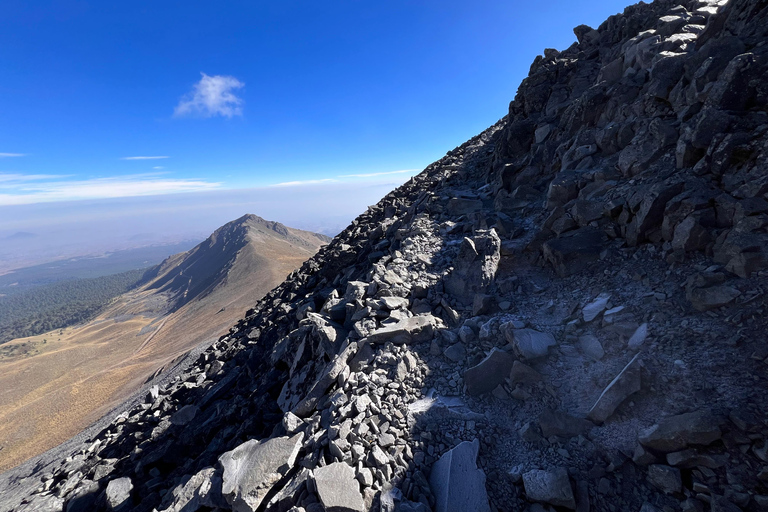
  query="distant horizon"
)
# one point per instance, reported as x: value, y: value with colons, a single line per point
x: 64, y: 229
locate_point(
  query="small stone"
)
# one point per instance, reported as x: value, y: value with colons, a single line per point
x: 551, y: 487
x: 529, y: 433
x: 665, y: 478
x: 337, y: 488
x: 386, y: 440
x: 184, y: 415
x: 523, y: 374
x: 530, y: 344
x: 455, y: 352
x: 365, y: 477
x: 639, y: 337
x: 291, y: 423
x: 594, y: 308
x: 489, y: 373
x: 590, y: 346
x: 560, y: 424
x: 118, y: 493
x: 377, y: 457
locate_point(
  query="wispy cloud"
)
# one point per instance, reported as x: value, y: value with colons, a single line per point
x: 397, y: 176
x: 6, y: 179
x: 303, y: 182
x: 158, y: 167
x: 143, y: 157
x: 212, y: 96
x: 28, y: 189
x: 372, y: 174
x: 10, y: 155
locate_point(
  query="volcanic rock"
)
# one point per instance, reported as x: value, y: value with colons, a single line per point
x: 457, y: 483
x: 251, y: 469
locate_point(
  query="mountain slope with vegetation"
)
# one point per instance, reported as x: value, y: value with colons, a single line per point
x: 61, y: 304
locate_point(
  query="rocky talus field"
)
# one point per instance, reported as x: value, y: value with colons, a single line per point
x: 567, y: 312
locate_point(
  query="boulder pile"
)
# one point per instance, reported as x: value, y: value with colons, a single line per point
x: 567, y: 312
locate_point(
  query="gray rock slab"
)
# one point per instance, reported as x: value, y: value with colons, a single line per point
x: 704, y: 299
x: 665, y: 478
x: 337, y: 488
x: 551, y: 487
x: 489, y: 373
x: 594, y: 308
x: 676, y: 433
x: 523, y: 374
x: 530, y: 344
x: 203, y: 489
x: 560, y: 424
x: 638, y: 337
x: 184, y: 415
x: 591, y: 347
x: 457, y: 483
x: 118, y: 493
x: 455, y: 352
x: 415, y: 329
x: 621, y: 387
x: 251, y: 469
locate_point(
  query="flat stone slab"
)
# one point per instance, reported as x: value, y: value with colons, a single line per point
x: 184, y: 415
x: 418, y: 328
x: 704, y: 299
x: 597, y: 306
x: 489, y: 373
x: 626, y: 383
x: 676, y: 433
x: 551, y: 487
x: 251, y: 469
x: 118, y: 493
x: 561, y: 424
x: 338, y: 489
x: 530, y: 344
x: 456, y: 481
x: 591, y: 347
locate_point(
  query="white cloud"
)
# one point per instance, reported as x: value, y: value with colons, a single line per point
x: 158, y: 167
x: 369, y: 175
x: 397, y: 178
x: 28, y: 189
x: 304, y: 182
x: 7, y: 179
x: 143, y: 157
x: 8, y: 155
x: 212, y: 96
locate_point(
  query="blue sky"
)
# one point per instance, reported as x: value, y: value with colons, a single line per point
x: 250, y: 94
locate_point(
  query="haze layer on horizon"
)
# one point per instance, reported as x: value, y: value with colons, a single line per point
x: 67, y: 229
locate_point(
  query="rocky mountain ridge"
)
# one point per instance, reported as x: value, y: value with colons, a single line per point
x: 564, y: 313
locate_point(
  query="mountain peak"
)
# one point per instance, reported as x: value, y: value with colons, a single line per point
x: 196, y: 273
